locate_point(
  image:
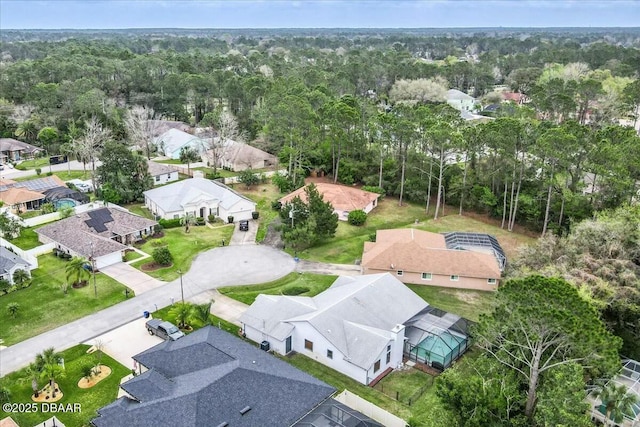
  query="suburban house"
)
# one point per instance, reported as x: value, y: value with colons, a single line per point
x: 10, y: 263
x: 344, y: 199
x: 101, y: 234
x: 200, y: 197
x: 456, y: 260
x: 162, y: 174
x: 356, y: 327
x: 518, y: 98
x: 172, y: 141
x: 211, y: 378
x: 460, y: 100
x: 629, y: 377
x: 158, y: 127
x: 238, y: 156
x: 12, y: 150
x: 27, y: 195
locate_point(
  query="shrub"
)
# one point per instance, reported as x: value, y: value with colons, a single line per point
x: 162, y: 256
x: 255, y: 214
x: 5, y: 285
x: 13, y: 308
x: 295, y: 290
x: 276, y: 206
x: 230, y: 219
x: 158, y: 242
x: 38, y: 171
x: 211, y: 218
x: 372, y: 237
x: 170, y: 223
x: 357, y: 217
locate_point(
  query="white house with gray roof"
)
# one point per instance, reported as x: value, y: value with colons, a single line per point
x: 10, y: 263
x: 162, y: 174
x: 172, y: 141
x: 200, y: 197
x: 355, y: 327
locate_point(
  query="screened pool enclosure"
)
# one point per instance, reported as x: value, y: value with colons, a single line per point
x: 436, y: 338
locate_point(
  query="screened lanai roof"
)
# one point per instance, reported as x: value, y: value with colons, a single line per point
x: 332, y: 413
x: 629, y: 377
x: 476, y: 241
x: 58, y: 193
x: 433, y: 321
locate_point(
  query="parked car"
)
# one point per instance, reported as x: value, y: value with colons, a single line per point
x: 244, y: 225
x: 164, y: 330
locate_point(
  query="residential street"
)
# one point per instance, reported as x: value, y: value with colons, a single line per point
x: 74, y: 166
x: 230, y: 265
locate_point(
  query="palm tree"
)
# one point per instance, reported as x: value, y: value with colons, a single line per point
x: 617, y: 402
x: 32, y: 373
x: 188, y: 220
x: 49, y: 361
x: 76, y: 270
x: 182, y: 313
x: 202, y: 313
x: 20, y: 277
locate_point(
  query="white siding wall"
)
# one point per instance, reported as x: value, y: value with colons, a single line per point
x: 165, y: 178
x: 304, y: 331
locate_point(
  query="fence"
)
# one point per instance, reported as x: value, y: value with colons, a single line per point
x: 25, y: 255
x: 402, y: 396
x: 369, y: 409
x: 54, y: 216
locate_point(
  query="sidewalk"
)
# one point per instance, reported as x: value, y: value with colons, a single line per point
x: 223, y: 307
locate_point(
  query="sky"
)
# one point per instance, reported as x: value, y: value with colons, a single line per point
x: 101, y: 14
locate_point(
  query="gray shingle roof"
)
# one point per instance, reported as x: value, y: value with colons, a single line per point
x: 174, y: 139
x: 78, y: 235
x: 156, y: 169
x: 206, y: 378
x: 361, y: 309
x: 173, y: 197
x: 8, y: 260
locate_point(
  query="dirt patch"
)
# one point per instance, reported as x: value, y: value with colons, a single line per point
x: 104, y: 372
x: 468, y: 297
x: 46, y: 394
x: 78, y: 285
x: 153, y: 266
x: 273, y: 237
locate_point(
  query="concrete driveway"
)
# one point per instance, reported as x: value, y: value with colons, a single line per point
x: 126, y: 341
x: 132, y: 278
x: 244, y: 237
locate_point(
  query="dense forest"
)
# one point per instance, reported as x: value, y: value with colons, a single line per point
x: 368, y: 107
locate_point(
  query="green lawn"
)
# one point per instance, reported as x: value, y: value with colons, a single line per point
x: 216, y: 321
x: 185, y: 247
x: 407, y: 386
x: 43, y: 305
x: 40, y: 162
x: 63, y: 175
x: 316, y: 283
x: 347, y: 245
x: 28, y: 239
x: 466, y: 303
x: 90, y: 399
x: 139, y: 209
x: 131, y: 255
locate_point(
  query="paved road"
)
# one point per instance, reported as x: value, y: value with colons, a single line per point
x: 230, y: 265
x: 74, y: 166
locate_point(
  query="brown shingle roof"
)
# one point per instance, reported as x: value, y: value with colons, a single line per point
x: 341, y: 197
x: 420, y: 251
x: 77, y: 235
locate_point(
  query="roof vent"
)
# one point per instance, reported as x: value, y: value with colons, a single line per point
x: 223, y: 424
x: 245, y: 410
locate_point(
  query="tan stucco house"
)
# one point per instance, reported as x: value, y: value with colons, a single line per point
x: 456, y: 260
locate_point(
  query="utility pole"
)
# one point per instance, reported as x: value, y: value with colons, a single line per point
x: 93, y: 270
x: 181, y: 287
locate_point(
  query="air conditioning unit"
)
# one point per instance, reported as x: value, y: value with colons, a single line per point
x: 264, y: 345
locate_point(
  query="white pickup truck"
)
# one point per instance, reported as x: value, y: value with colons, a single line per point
x: 165, y: 330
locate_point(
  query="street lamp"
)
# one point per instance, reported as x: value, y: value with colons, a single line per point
x: 291, y: 212
x: 181, y: 287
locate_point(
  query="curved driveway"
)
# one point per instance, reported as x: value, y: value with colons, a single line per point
x: 226, y: 266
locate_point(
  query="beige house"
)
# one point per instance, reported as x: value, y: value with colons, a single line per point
x: 456, y: 260
x: 238, y: 156
x: 343, y: 199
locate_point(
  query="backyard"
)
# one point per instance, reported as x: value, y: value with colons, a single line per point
x: 28, y: 239
x: 89, y: 399
x: 302, y: 284
x: 184, y: 247
x: 263, y: 195
x: 44, y: 306
x: 469, y: 304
